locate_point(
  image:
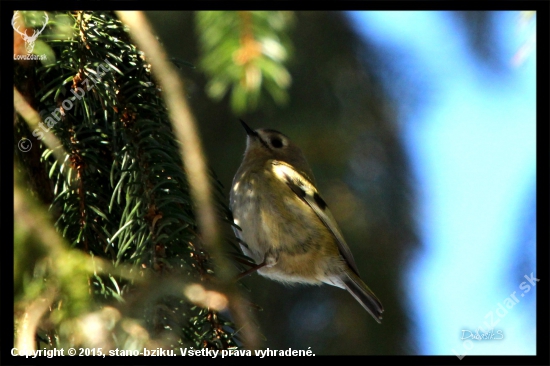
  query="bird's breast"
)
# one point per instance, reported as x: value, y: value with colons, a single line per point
x: 276, y: 222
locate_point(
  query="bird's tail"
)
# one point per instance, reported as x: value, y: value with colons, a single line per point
x: 360, y: 291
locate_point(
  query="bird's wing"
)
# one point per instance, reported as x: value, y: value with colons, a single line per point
x: 306, y: 191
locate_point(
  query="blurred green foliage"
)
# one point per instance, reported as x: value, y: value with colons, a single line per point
x: 244, y: 53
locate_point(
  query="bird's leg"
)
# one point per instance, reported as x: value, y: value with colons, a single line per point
x: 250, y: 270
x: 270, y: 259
x: 243, y: 261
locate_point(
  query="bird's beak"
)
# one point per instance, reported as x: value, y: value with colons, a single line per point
x: 249, y: 131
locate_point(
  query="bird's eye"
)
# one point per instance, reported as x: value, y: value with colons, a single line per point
x: 276, y: 142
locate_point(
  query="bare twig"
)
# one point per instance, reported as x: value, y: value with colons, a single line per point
x: 29, y: 320
x: 33, y: 119
x: 193, y: 161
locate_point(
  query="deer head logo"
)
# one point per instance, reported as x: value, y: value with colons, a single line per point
x: 29, y: 40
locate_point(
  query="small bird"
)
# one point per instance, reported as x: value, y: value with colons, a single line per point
x: 286, y: 227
